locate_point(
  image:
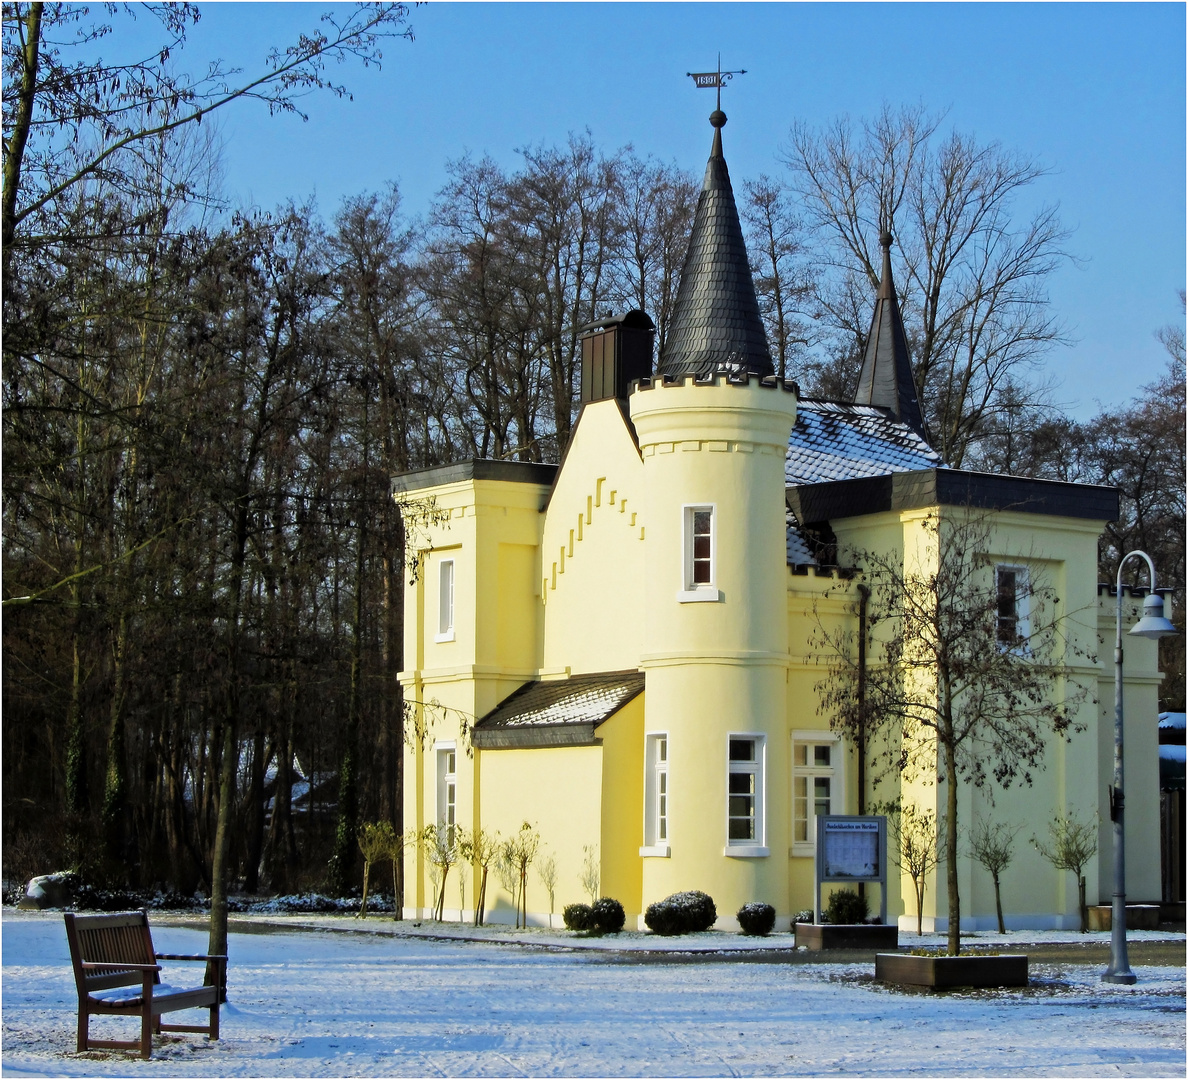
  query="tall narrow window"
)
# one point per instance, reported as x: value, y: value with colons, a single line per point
x: 744, y: 798
x: 699, y: 555
x: 656, y: 796
x: 447, y: 792
x: 1013, y: 592
x: 445, y: 601
x: 814, y: 789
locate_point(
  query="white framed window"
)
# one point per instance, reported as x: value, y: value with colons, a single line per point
x: 700, y: 541
x: 816, y: 786
x: 1013, y: 592
x: 746, y: 827
x: 445, y: 600
x: 656, y: 796
x: 447, y: 789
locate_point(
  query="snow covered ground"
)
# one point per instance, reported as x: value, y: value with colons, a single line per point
x: 310, y: 1000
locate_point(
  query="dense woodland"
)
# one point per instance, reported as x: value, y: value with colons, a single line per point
x: 203, y: 404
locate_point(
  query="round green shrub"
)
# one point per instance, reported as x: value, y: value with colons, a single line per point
x: 805, y: 916
x: 846, y: 908
x: 578, y: 917
x: 607, y: 916
x: 756, y: 919
x: 681, y: 913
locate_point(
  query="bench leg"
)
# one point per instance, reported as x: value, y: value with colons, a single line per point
x: 146, y: 1034
x: 84, y: 1027
x: 214, y: 1022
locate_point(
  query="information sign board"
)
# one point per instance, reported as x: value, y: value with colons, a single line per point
x: 852, y: 848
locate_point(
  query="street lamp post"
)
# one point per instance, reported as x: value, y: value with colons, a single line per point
x: 1151, y: 625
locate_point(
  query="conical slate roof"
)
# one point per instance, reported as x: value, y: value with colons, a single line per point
x: 886, y: 378
x: 715, y: 323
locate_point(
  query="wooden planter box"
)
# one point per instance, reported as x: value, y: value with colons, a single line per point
x: 950, y: 972
x: 847, y: 936
x: 1138, y: 917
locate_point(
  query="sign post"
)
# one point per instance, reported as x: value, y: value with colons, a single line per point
x: 851, y: 848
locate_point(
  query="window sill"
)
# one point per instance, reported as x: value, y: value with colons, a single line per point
x: 699, y: 596
x: 746, y: 851
x: 802, y: 850
x: 656, y: 851
x: 447, y: 636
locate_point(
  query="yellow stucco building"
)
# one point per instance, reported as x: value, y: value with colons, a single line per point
x: 619, y: 650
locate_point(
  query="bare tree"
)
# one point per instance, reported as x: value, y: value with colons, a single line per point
x: 783, y: 283
x: 546, y: 870
x: 971, y: 277
x: 76, y: 117
x: 591, y: 871
x: 518, y: 853
x: 992, y: 846
x: 1070, y: 845
x: 954, y: 693
x: 915, y: 849
x: 656, y: 207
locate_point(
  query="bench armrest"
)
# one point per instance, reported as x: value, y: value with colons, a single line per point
x: 187, y: 956
x: 88, y: 965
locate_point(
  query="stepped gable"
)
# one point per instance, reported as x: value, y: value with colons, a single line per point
x: 839, y: 441
x: 886, y: 377
x: 716, y: 326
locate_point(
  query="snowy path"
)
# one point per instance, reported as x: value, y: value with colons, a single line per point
x: 330, y: 1004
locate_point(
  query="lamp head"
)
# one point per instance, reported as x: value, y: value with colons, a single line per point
x: 1153, y: 624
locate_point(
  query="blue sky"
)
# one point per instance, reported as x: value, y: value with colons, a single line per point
x: 1094, y: 91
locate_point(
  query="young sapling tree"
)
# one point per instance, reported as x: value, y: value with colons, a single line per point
x: 591, y: 871
x: 519, y: 852
x: 546, y: 870
x: 376, y: 841
x: 479, y: 848
x: 992, y: 845
x: 441, y: 850
x: 1070, y: 845
x: 914, y: 849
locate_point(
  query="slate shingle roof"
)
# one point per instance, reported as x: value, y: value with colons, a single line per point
x: 799, y: 552
x: 557, y: 711
x: 836, y: 441
x: 716, y: 324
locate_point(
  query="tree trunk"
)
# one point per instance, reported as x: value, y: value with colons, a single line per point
x: 998, y: 906
x: 22, y: 122
x: 954, y: 942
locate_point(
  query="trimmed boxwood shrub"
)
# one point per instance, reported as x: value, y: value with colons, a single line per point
x: 802, y: 916
x: 681, y: 913
x: 607, y: 916
x: 846, y: 908
x: 578, y: 917
x: 756, y: 919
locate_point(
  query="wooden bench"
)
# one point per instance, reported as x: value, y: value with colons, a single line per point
x: 116, y: 973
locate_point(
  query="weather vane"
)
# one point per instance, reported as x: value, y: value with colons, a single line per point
x: 714, y: 79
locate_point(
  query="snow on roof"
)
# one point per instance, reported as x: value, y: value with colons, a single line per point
x: 1172, y: 721
x: 580, y: 699
x: 837, y: 441
x: 799, y: 552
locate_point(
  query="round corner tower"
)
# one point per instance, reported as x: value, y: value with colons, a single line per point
x: 713, y: 428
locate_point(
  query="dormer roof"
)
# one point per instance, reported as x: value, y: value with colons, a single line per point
x: 886, y: 378
x: 716, y: 326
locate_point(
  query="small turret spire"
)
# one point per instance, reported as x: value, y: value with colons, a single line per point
x: 886, y: 377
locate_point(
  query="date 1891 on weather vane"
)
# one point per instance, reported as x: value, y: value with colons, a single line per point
x: 714, y: 80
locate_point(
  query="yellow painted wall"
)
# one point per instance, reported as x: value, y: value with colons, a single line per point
x: 593, y: 550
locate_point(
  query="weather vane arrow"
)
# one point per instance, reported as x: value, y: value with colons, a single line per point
x: 714, y: 80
